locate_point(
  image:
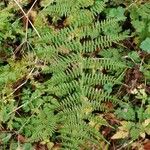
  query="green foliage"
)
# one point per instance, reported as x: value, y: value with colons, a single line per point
x: 58, y: 87
x: 126, y: 112
x: 145, y: 45
x: 141, y: 20
x: 135, y: 116
x: 9, y: 29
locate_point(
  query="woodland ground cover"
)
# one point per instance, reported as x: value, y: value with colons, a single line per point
x: 74, y: 74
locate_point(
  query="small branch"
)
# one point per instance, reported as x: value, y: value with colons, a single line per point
x: 21, y: 84
x: 31, y: 7
x: 22, y: 106
x: 132, y: 4
x: 27, y: 18
x: 125, y: 145
x: 27, y: 21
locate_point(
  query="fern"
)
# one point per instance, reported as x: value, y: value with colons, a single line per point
x: 62, y: 107
x: 44, y: 125
x: 78, y: 80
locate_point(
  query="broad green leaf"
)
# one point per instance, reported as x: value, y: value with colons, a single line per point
x: 116, y: 12
x: 145, y: 45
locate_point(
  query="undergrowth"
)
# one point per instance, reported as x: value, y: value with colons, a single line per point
x: 74, y: 74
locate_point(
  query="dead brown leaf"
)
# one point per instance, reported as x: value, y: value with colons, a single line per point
x: 147, y: 145
x: 21, y: 138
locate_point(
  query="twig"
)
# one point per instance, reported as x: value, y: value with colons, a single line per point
x: 26, y: 36
x: 125, y: 145
x: 31, y: 7
x: 132, y: 4
x: 27, y: 18
x: 21, y: 84
x: 17, y: 49
x: 22, y: 105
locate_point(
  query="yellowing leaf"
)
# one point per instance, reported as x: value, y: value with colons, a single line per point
x: 142, y: 135
x: 50, y: 145
x: 120, y: 135
x: 147, y: 130
x: 46, y: 2
x: 146, y: 122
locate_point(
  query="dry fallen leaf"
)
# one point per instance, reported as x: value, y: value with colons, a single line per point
x: 147, y: 145
x: 120, y: 135
x: 21, y: 138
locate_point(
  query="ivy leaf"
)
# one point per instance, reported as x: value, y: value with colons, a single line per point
x: 145, y: 45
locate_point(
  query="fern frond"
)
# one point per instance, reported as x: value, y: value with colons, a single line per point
x: 101, y: 42
x: 98, y: 79
x: 99, y: 95
x: 79, y: 133
x: 96, y: 28
x: 75, y: 79
x: 44, y: 125
x: 102, y: 63
x: 70, y: 100
x: 98, y: 7
x: 65, y: 88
